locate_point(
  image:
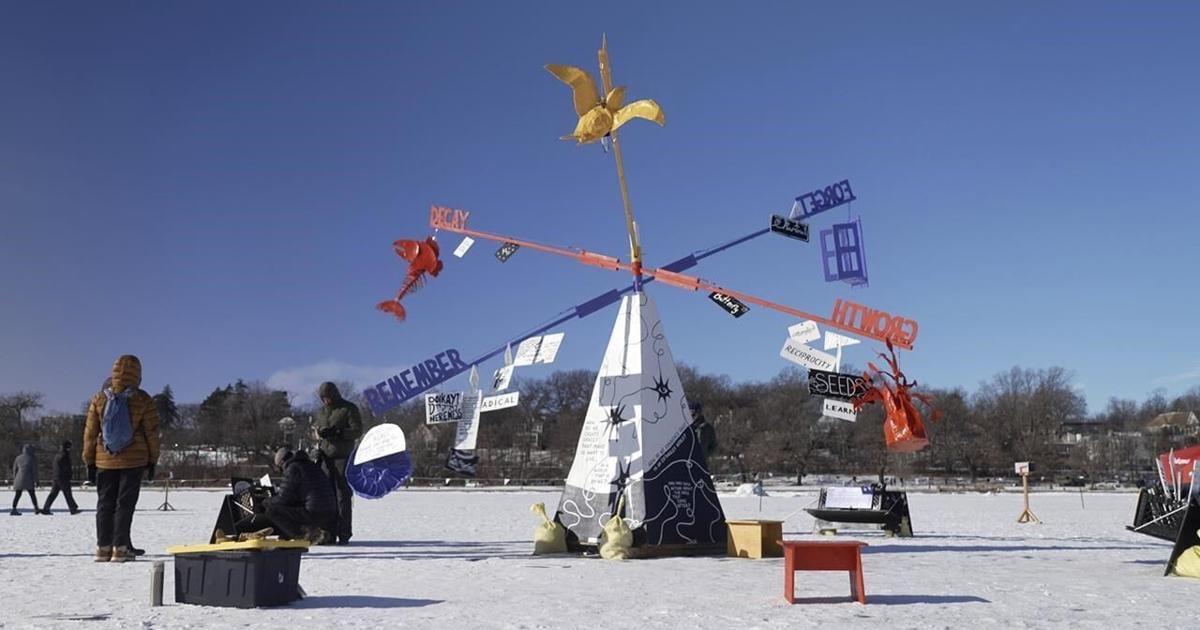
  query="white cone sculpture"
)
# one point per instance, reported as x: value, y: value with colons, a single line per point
x: 637, y: 441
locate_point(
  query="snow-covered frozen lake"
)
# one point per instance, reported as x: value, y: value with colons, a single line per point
x: 461, y: 559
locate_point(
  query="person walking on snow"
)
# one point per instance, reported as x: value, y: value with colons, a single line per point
x: 25, y: 478
x: 62, y: 480
x: 120, y: 443
x: 339, y: 426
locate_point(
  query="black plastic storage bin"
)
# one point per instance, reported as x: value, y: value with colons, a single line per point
x: 237, y: 578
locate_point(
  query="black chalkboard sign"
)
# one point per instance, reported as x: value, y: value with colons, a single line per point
x: 732, y: 305
x: 506, y: 250
x: 836, y: 385
x: 789, y: 228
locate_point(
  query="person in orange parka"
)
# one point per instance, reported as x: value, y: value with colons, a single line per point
x: 120, y: 443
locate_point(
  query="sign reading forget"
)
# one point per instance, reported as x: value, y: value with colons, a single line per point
x: 823, y: 199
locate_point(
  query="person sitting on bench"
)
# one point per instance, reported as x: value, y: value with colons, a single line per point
x: 301, y: 505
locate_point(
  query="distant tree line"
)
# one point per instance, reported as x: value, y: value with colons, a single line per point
x: 772, y: 427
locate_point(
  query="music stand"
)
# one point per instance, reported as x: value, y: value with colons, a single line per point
x: 166, y: 504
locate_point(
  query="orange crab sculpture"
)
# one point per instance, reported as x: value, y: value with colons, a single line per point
x: 422, y: 257
x: 903, y: 429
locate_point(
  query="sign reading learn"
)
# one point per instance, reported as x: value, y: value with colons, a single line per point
x: 414, y: 380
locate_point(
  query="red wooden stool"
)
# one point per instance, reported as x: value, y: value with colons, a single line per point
x: 823, y: 555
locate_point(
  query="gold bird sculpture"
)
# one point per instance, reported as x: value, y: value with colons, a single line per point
x: 599, y: 118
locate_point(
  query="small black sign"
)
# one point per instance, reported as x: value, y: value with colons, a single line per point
x: 836, y: 385
x: 789, y: 228
x: 506, y: 250
x: 731, y: 304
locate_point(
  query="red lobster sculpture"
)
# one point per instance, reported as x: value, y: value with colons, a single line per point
x: 422, y: 257
x: 903, y: 429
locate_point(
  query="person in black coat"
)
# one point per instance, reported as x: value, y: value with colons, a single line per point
x: 706, y: 434
x: 62, y: 480
x: 303, y: 502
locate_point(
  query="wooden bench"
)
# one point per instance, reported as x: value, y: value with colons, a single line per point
x: 823, y: 555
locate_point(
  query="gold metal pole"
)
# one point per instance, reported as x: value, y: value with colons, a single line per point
x: 635, y: 248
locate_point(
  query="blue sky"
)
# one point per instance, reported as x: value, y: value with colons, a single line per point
x: 215, y: 186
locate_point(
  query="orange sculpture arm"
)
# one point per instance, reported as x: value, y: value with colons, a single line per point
x: 847, y: 316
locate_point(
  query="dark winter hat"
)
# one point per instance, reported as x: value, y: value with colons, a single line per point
x: 329, y: 390
x: 282, y: 456
x: 695, y: 406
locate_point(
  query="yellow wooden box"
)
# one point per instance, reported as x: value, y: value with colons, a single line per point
x: 754, y: 539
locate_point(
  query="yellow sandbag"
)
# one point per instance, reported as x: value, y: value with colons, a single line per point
x: 549, y: 537
x: 1188, y: 563
x: 618, y: 538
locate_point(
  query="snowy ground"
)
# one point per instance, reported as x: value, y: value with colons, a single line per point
x: 460, y: 559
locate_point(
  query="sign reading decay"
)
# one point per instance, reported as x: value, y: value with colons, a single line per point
x: 789, y: 228
x: 731, y: 304
x: 835, y: 385
x: 823, y: 199
x: 413, y: 380
x: 441, y: 217
x: 873, y: 323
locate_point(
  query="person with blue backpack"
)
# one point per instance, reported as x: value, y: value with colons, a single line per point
x: 120, y: 444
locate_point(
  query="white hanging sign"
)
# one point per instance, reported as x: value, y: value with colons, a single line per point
x: 468, y: 427
x: 381, y: 441
x: 501, y: 378
x: 834, y: 340
x: 804, y: 332
x: 462, y: 248
x: 445, y: 407
x: 501, y: 401
x: 808, y: 357
x: 839, y: 409
x: 538, y: 350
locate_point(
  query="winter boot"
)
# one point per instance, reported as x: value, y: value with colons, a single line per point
x: 122, y: 554
x: 314, y: 535
x: 137, y: 552
x: 75, y: 511
x: 46, y: 512
x: 104, y: 554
